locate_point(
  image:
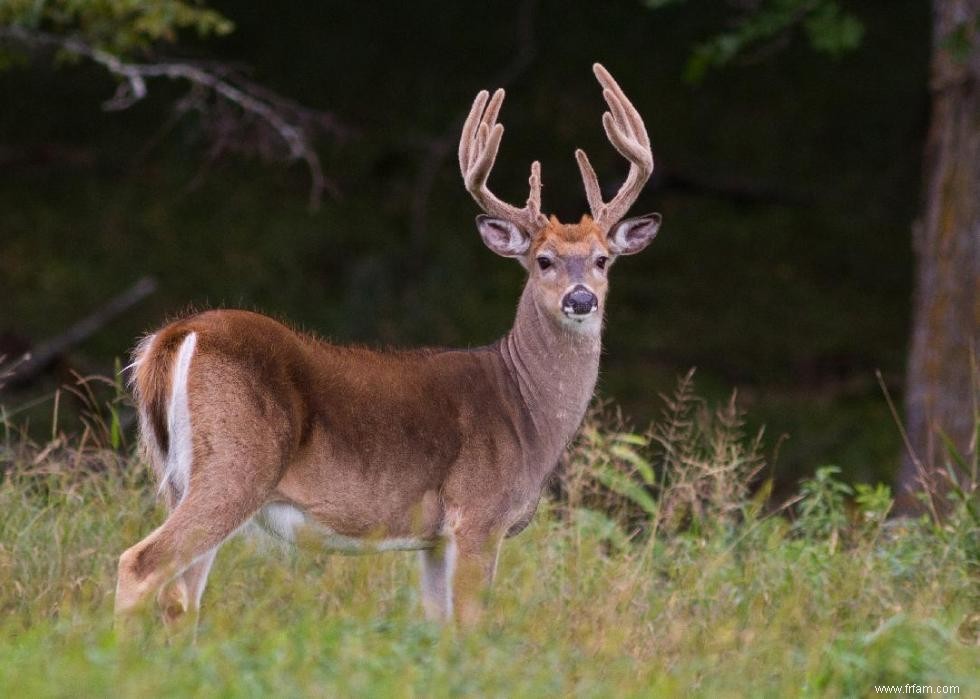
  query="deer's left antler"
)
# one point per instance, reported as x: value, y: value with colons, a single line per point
x: 625, y: 130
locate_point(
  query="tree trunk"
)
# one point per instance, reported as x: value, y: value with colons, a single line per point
x: 941, y: 386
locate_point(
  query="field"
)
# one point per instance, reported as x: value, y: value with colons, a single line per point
x: 654, y: 569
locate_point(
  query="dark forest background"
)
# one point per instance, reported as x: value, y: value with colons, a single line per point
x: 788, y: 181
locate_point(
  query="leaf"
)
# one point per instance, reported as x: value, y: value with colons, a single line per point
x: 630, y: 438
x: 115, y: 428
x: 759, y: 500
x: 832, y: 31
x: 622, y: 484
x: 828, y: 28
x: 123, y: 27
x: 630, y: 456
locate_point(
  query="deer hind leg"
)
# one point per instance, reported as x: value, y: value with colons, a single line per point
x: 184, y: 545
x: 237, y: 459
x: 180, y: 600
x: 224, y: 491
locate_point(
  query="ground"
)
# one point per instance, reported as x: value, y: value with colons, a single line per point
x: 731, y: 599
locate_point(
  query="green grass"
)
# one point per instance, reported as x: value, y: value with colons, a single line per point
x: 699, y: 588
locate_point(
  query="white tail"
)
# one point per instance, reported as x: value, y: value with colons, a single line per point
x: 177, y: 472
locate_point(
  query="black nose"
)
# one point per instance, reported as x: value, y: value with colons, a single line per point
x: 579, y: 301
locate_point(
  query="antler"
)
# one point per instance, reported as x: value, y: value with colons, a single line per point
x: 624, y: 128
x: 478, y: 147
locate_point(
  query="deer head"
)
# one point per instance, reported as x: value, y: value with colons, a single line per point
x: 567, y: 263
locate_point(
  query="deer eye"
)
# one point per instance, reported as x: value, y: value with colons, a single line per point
x: 600, y: 262
x: 544, y: 262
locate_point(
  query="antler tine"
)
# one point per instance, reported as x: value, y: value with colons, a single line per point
x: 625, y: 130
x: 478, y: 146
x: 470, y: 127
x: 534, y: 184
x: 593, y: 192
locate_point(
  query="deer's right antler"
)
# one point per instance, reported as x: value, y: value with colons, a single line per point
x: 477, y: 152
x: 625, y: 130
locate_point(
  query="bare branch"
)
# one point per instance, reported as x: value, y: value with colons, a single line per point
x: 293, y: 124
x: 29, y: 366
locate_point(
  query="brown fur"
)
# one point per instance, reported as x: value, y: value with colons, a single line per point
x: 446, y: 448
x: 318, y: 400
x: 370, y: 444
x: 585, y: 231
x: 152, y: 381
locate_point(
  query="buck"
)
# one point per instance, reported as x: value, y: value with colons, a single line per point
x: 445, y: 451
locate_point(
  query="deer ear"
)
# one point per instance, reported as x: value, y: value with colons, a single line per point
x: 502, y: 236
x: 632, y: 235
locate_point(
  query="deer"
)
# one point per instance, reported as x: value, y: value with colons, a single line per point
x: 442, y: 451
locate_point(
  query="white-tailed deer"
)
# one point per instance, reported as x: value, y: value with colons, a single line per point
x: 441, y: 450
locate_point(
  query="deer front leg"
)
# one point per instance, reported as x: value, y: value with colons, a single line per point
x: 476, y: 565
x: 438, y: 567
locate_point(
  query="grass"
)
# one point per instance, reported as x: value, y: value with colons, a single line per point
x: 653, y: 570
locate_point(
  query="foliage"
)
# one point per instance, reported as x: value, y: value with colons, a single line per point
x: 822, y: 510
x: 93, y: 201
x: 734, y: 606
x: 120, y: 26
x: 764, y: 24
x: 238, y: 115
x: 693, y: 468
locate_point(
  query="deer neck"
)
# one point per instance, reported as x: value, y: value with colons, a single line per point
x: 555, y: 368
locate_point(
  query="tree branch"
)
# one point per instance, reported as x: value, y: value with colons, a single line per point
x: 32, y: 364
x: 291, y: 123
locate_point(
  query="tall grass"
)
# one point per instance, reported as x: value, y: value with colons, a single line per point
x: 657, y: 568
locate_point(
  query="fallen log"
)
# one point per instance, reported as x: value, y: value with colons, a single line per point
x: 33, y: 364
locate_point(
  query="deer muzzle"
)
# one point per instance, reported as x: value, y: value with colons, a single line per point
x: 579, y: 303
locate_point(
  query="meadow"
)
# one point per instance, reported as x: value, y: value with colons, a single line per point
x: 659, y: 565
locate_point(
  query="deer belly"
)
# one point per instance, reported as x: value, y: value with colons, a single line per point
x: 291, y: 524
